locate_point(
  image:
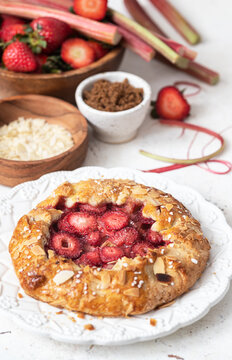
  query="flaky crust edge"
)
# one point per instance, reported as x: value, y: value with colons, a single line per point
x: 132, y: 286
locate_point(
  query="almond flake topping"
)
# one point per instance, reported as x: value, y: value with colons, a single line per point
x: 132, y: 292
x: 158, y: 266
x: 63, y: 276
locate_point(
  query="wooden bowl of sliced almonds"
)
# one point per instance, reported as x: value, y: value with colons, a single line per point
x: 39, y: 134
x: 61, y: 85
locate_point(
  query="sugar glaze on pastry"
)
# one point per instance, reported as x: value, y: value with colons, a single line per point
x: 108, y: 248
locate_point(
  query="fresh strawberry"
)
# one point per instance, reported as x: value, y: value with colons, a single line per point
x: 99, y: 50
x: 53, y: 31
x: 99, y: 210
x: 8, y: 32
x: 78, y: 222
x: 109, y: 254
x: 41, y: 60
x: 93, y: 258
x: 92, y: 9
x: 66, y: 245
x: 93, y: 238
x: 154, y: 237
x: 18, y: 57
x: 114, y: 220
x: 77, y: 53
x: 126, y: 236
x: 171, y: 104
x: 10, y: 20
x: 141, y: 249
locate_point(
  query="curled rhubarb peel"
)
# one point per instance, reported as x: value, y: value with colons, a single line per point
x: 190, y: 84
x: 187, y: 161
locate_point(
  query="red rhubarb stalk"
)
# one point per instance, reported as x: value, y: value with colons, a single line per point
x: 191, y: 84
x: 149, y: 38
x: 54, y: 4
x: 203, y: 73
x: 107, y: 33
x: 178, y: 21
x: 140, y: 15
x: 137, y: 45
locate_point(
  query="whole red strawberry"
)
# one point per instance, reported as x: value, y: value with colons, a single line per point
x: 8, y: 32
x: 18, y: 57
x: 53, y: 31
x: 9, y: 20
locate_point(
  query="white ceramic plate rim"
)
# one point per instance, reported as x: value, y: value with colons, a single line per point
x: 168, y: 319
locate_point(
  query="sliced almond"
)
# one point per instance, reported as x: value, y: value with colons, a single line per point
x: 63, y: 276
x: 38, y: 251
x: 105, y: 280
x: 169, y: 207
x: 31, y: 241
x: 121, y: 277
x: 132, y: 292
x: 159, y: 267
x: 51, y: 254
x: 138, y: 190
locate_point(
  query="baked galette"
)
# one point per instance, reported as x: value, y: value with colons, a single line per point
x: 108, y: 248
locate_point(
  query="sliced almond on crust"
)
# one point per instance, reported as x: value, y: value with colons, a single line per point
x: 169, y: 207
x: 132, y: 292
x: 38, y: 251
x: 63, y: 276
x: 105, y: 280
x: 159, y: 267
x: 51, y: 254
x: 121, y: 277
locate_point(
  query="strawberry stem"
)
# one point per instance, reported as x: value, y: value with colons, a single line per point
x: 177, y: 20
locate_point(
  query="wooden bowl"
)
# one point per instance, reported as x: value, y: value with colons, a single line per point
x: 59, y: 85
x: 54, y: 111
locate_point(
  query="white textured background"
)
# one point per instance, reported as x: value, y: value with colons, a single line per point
x: 209, y: 338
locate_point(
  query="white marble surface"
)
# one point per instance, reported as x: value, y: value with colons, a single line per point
x: 209, y: 338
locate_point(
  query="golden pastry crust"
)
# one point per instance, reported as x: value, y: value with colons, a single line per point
x: 132, y: 286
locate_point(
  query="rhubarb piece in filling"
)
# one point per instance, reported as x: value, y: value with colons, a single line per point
x: 100, y: 235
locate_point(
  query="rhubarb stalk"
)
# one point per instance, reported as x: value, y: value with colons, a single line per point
x: 140, y: 15
x: 136, y: 45
x: 195, y: 69
x: 55, y: 4
x: 178, y: 21
x: 107, y: 33
x: 149, y: 38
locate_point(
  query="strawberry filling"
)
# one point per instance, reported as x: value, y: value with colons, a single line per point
x: 100, y: 235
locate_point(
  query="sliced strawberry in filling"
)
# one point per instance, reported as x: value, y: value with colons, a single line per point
x: 99, y: 210
x: 78, y: 222
x: 109, y: 253
x: 66, y: 245
x: 126, y: 236
x: 154, y: 237
x: 99, y: 236
x: 94, y: 238
x: 91, y: 258
x: 141, y: 249
x: 115, y: 220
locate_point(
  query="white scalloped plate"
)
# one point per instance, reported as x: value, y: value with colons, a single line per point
x: 42, y: 318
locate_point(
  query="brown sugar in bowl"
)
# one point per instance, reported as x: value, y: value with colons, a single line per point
x: 59, y: 85
x: 54, y: 111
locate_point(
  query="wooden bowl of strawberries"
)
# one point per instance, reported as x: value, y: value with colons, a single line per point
x: 49, y: 51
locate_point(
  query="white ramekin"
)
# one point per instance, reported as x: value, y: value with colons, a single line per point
x: 115, y: 127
